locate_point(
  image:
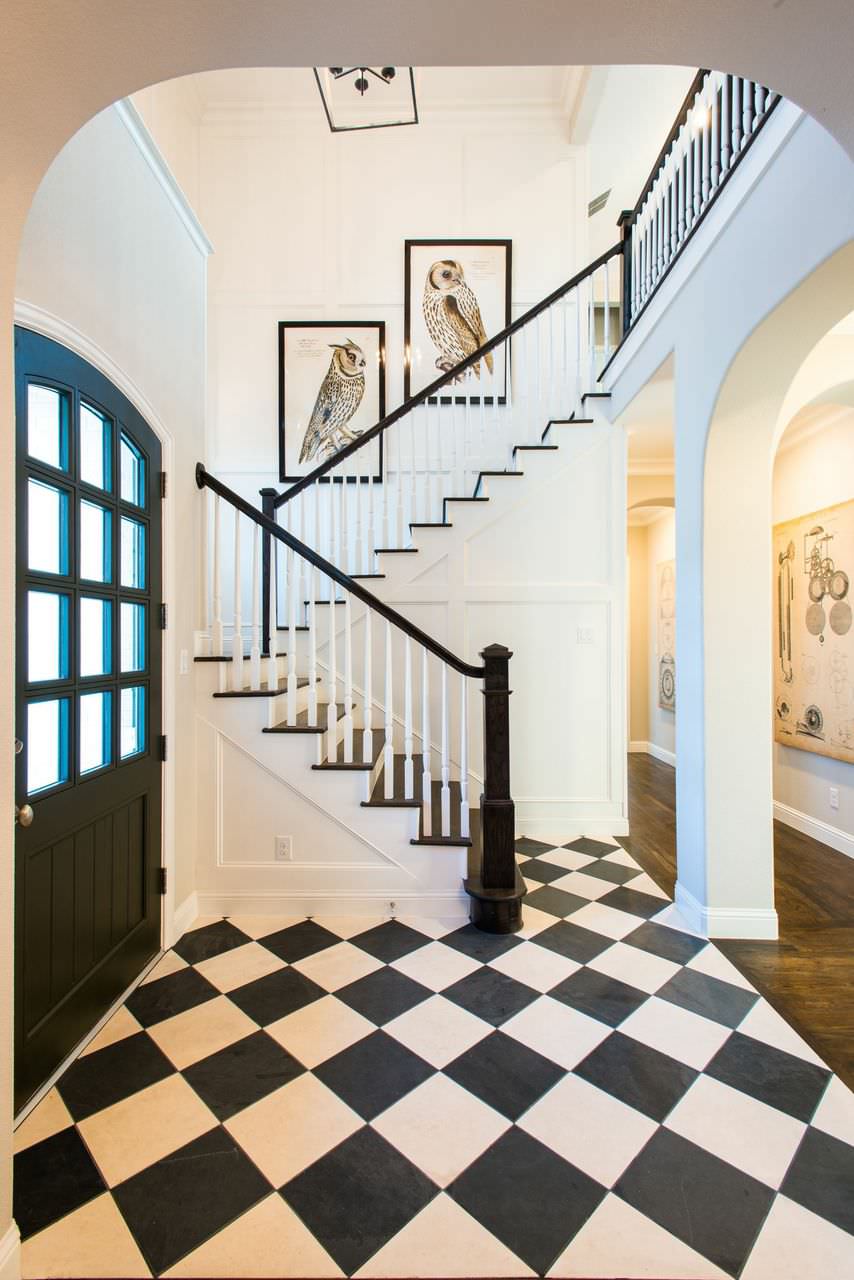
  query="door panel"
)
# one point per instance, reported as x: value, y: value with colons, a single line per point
x: 88, y: 688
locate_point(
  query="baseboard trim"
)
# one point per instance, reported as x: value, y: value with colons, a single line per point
x: 654, y: 750
x: 182, y: 918
x: 823, y: 832
x: 440, y: 906
x: 10, y: 1253
x: 571, y: 826
x: 758, y: 923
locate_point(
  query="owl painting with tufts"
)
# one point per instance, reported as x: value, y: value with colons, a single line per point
x: 452, y: 316
x: 337, y: 400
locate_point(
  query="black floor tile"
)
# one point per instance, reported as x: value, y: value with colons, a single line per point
x: 479, y: 945
x: 490, y: 995
x: 593, y: 848
x: 53, y: 1178
x: 570, y: 940
x: 242, y: 1073
x: 632, y: 900
x: 530, y: 1198
x: 643, y: 1078
x: 374, y: 1074
x: 299, y: 941
x: 669, y: 944
x: 615, y: 872
x: 703, y: 1201
x: 555, y: 902
x: 532, y: 847
x: 599, y: 996
x: 821, y: 1178
x: 173, y: 1206
x: 277, y: 994
x: 721, y: 1001
x: 383, y: 995
x: 780, y: 1079
x: 99, y: 1079
x: 390, y: 941
x: 156, y: 1001
x: 545, y: 872
x: 504, y: 1074
x: 212, y: 940
x: 358, y: 1196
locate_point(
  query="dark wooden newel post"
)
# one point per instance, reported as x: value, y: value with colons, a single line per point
x: 626, y: 222
x: 268, y: 625
x: 497, y: 892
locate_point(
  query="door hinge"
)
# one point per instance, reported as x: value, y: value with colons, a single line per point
x: 163, y: 484
x: 161, y: 748
x: 161, y: 879
x: 163, y: 617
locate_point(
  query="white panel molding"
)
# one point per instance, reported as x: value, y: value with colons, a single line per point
x: 758, y: 923
x: 10, y: 1253
x: 150, y: 153
x: 40, y: 320
x: 823, y: 832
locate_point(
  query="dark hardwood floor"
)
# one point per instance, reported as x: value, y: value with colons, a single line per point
x: 808, y: 974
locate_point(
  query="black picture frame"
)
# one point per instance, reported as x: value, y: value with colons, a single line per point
x: 413, y: 289
x: 339, y: 330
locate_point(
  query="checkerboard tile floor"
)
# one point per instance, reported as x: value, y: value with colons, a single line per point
x: 601, y: 1095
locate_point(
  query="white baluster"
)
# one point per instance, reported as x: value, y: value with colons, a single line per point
x: 413, y: 474
x: 371, y: 539
x: 312, y: 644
x: 591, y: 335
x: 293, y: 590
x: 387, y: 536
x: 427, y: 480
x: 204, y: 602
x: 446, y: 763
x: 367, y: 697
x: 725, y: 126
x: 402, y: 530
x: 217, y: 641
x: 746, y: 109
x: 359, y: 544
x: 717, y: 83
x: 237, y: 633
x: 696, y: 149
x: 388, y: 748
x: 705, y: 142
x: 758, y: 101
x: 689, y: 180
x: 607, y: 315
x: 348, y: 681
x: 736, y: 115
x: 332, y: 680
x: 255, y: 641
x: 426, y: 750
x: 408, y: 773
x: 273, y: 655
x: 465, y: 828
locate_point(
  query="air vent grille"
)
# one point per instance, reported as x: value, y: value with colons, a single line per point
x: 598, y: 203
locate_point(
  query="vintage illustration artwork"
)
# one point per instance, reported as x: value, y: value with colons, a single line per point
x: 814, y: 642
x: 457, y: 296
x: 666, y: 631
x: 331, y: 390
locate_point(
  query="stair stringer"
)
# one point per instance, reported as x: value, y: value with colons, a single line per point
x: 348, y: 860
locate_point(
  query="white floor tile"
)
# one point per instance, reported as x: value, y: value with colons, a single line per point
x: 320, y: 1030
x: 267, y: 1241
x: 589, y: 1128
x: 569, y: 858
x: 764, y: 1023
x: 622, y: 858
x: 618, y: 1241
x: 638, y: 968
x: 438, y: 1030
x: 601, y: 918
x: 560, y: 1033
x: 715, y: 965
x: 535, y: 966
x: 591, y: 887
x: 338, y: 966
x: 441, y: 1128
x: 443, y: 1240
x: 645, y: 884
x: 741, y: 1130
x: 435, y: 966
x: 683, y: 1035
x: 795, y: 1244
x: 835, y: 1113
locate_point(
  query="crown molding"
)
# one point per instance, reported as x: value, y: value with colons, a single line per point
x: 148, y: 149
x: 651, y: 467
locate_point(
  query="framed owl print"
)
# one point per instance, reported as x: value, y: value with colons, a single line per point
x: 331, y: 390
x: 457, y: 296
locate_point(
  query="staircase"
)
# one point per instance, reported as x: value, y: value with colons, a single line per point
x: 308, y: 669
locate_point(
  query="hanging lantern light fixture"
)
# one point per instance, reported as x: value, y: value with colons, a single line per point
x: 367, y: 97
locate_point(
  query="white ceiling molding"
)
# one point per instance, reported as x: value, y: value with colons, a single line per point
x: 651, y: 466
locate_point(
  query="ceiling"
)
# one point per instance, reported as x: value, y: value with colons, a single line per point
x: 648, y: 421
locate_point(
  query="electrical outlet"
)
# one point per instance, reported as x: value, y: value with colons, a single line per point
x: 834, y: 797
x: 283, y: 849
x: 584, y: 635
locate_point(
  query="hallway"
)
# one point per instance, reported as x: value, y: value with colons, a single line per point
x: 400, y: 1098
x: 808, y: 974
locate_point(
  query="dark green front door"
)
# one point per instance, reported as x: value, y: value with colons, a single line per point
x: 88, y: 686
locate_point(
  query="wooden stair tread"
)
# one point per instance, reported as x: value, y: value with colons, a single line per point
x: 302, y: 725
x: 399, y: 801
x: 358, y: 761
x: 264, y: 692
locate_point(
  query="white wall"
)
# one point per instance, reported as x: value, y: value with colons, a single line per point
x: 110, y: 266
x: 813, y: 473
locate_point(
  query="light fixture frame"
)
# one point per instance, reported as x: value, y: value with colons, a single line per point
x: 353, y: 128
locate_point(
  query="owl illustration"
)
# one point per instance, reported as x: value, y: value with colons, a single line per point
x: 452, y: 316
x: 337, y: 400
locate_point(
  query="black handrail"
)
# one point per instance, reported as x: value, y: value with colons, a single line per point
x: 444, y: 379
x: 205, y: 480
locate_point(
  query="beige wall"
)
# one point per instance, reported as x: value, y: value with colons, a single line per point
x: 638, y: 634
